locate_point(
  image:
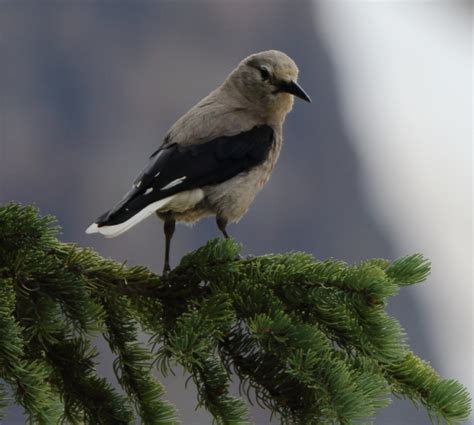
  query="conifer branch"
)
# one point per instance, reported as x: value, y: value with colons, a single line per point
x: 309, y: 340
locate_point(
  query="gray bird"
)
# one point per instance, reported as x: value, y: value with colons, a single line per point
x: 217, y: 156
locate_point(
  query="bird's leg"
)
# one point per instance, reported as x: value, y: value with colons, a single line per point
x: 222, y: 224
x: 169, y: 226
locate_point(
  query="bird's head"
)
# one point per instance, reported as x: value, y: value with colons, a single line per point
x: 268, y: 80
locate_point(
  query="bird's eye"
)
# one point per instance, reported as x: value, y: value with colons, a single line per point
x: 265, y: 73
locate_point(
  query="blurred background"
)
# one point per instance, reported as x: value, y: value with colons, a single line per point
x: 379, y: 165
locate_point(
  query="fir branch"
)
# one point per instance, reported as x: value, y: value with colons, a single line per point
x: 86, y: 396
x: 193, y: 343
x: 310, y: 339
x: 415, y: 379
x: 132, y: 365
x: 27, y: 379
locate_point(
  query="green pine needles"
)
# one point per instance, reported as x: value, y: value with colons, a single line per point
x: 309, y: 340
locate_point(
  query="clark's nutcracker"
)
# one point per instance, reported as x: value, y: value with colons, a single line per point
x: 217, y: 156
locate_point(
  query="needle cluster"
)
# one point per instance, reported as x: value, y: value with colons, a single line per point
x: 309, y: 340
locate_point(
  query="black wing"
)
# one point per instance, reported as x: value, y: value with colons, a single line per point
x: 175, y: 168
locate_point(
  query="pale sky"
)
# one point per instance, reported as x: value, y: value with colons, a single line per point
x: 404, y: 70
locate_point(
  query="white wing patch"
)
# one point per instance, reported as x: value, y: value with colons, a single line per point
x: 149, y: 190
x: 174, y: 183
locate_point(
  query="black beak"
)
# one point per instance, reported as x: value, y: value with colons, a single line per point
x: 293, y: 88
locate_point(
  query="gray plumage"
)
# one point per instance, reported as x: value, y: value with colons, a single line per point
x: 257, y: 95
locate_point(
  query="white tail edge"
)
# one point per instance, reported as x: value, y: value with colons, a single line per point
x: 118, y: 229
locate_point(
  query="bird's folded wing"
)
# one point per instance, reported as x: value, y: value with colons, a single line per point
x: 176, y: 168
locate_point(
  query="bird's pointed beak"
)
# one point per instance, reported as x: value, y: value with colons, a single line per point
x: 295, y: 89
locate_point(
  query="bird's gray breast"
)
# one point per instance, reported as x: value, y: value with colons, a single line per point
x: 231, y: 199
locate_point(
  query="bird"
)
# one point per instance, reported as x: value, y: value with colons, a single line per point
x: 216, y: 158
